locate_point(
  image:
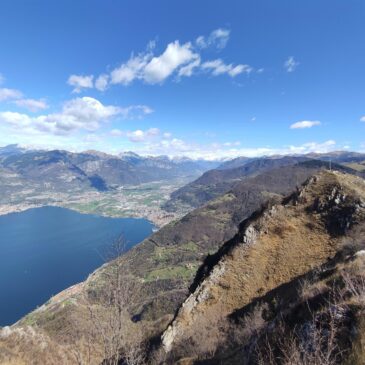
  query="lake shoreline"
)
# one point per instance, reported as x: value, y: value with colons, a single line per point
x: 48, y: 249
x: 157, y: 220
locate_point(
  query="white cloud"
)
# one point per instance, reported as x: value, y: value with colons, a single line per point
x: 176, y: 147
x: 80, y: 82
x: 174, y: 56
x: 135, y: 111
x: 305, y: 124
x: 188, y: 70
x: 218, y: 38
x: 10, y: 94
x: 131, y: 70
x: 218, y: 67
x: 16, y: 97
x: 143, y: 136
x: 362, y: 119
x: 78, y: 114
x: 32, y: 104
x: 154, y: 70
x: 290, y: 64
x: 181, y: 59
x: 116, y: 133
x: 101, y: 83
x: 231, y: 144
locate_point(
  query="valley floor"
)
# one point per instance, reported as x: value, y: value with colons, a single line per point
x: 142, y: 201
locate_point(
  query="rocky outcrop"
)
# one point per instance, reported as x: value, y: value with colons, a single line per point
x: 284, y: 242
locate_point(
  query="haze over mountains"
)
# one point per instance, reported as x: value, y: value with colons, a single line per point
x: 62, y: 170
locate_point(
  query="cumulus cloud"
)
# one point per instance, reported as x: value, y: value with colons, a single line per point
x: 80, y: 82
x: 10, y: 94
x: 32, y: 105
x: 218, y: 38
x: 181, y: 59
x: 78, y: 114
x: 175, y: 55
x: 291, y: 64
x: 218, y: 67
x: 362, y: 119
x: 154, y: 70
x: 305, y: 124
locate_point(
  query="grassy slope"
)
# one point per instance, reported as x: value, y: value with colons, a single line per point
x: 282, y: 244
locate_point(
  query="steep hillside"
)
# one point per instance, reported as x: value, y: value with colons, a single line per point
x: 272, y: 248
x: 162, y: 268
x: 227, y: 255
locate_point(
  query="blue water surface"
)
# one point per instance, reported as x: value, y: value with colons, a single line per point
x: 45, y: 250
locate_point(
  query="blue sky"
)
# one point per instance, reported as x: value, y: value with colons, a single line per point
x: 197, y: 78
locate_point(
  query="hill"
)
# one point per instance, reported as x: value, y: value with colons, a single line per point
x: 158, y: 273
x: 218, y: 181
x: 288, y: 268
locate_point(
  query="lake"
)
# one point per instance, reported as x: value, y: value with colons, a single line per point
x: 45, y: 250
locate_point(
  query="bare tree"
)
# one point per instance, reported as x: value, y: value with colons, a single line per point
x: 110, y: 327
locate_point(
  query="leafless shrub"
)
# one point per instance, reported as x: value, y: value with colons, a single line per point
x: 110, y: 326
x: 251, y: 325
x: 355, y: 286
x: 317, y: 342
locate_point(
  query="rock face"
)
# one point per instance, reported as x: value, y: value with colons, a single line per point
x: 271, y: 249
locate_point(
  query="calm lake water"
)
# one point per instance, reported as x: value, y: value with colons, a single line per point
x: 45, y: 250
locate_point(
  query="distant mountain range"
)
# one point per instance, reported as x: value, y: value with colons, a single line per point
x: 57, y: 171
x: 62, y: 170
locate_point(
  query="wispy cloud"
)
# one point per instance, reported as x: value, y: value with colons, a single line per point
x: 139, y: 135
x: 32, y: 105
x: 177, y: 147
x: 291, y: 64
x: 80, y: 82
x: 305, y: 124
x: 16, y: 97
x: 362, y: 119
x: 218, y: 67
x: 10, y: 94
x: 218, y: 38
